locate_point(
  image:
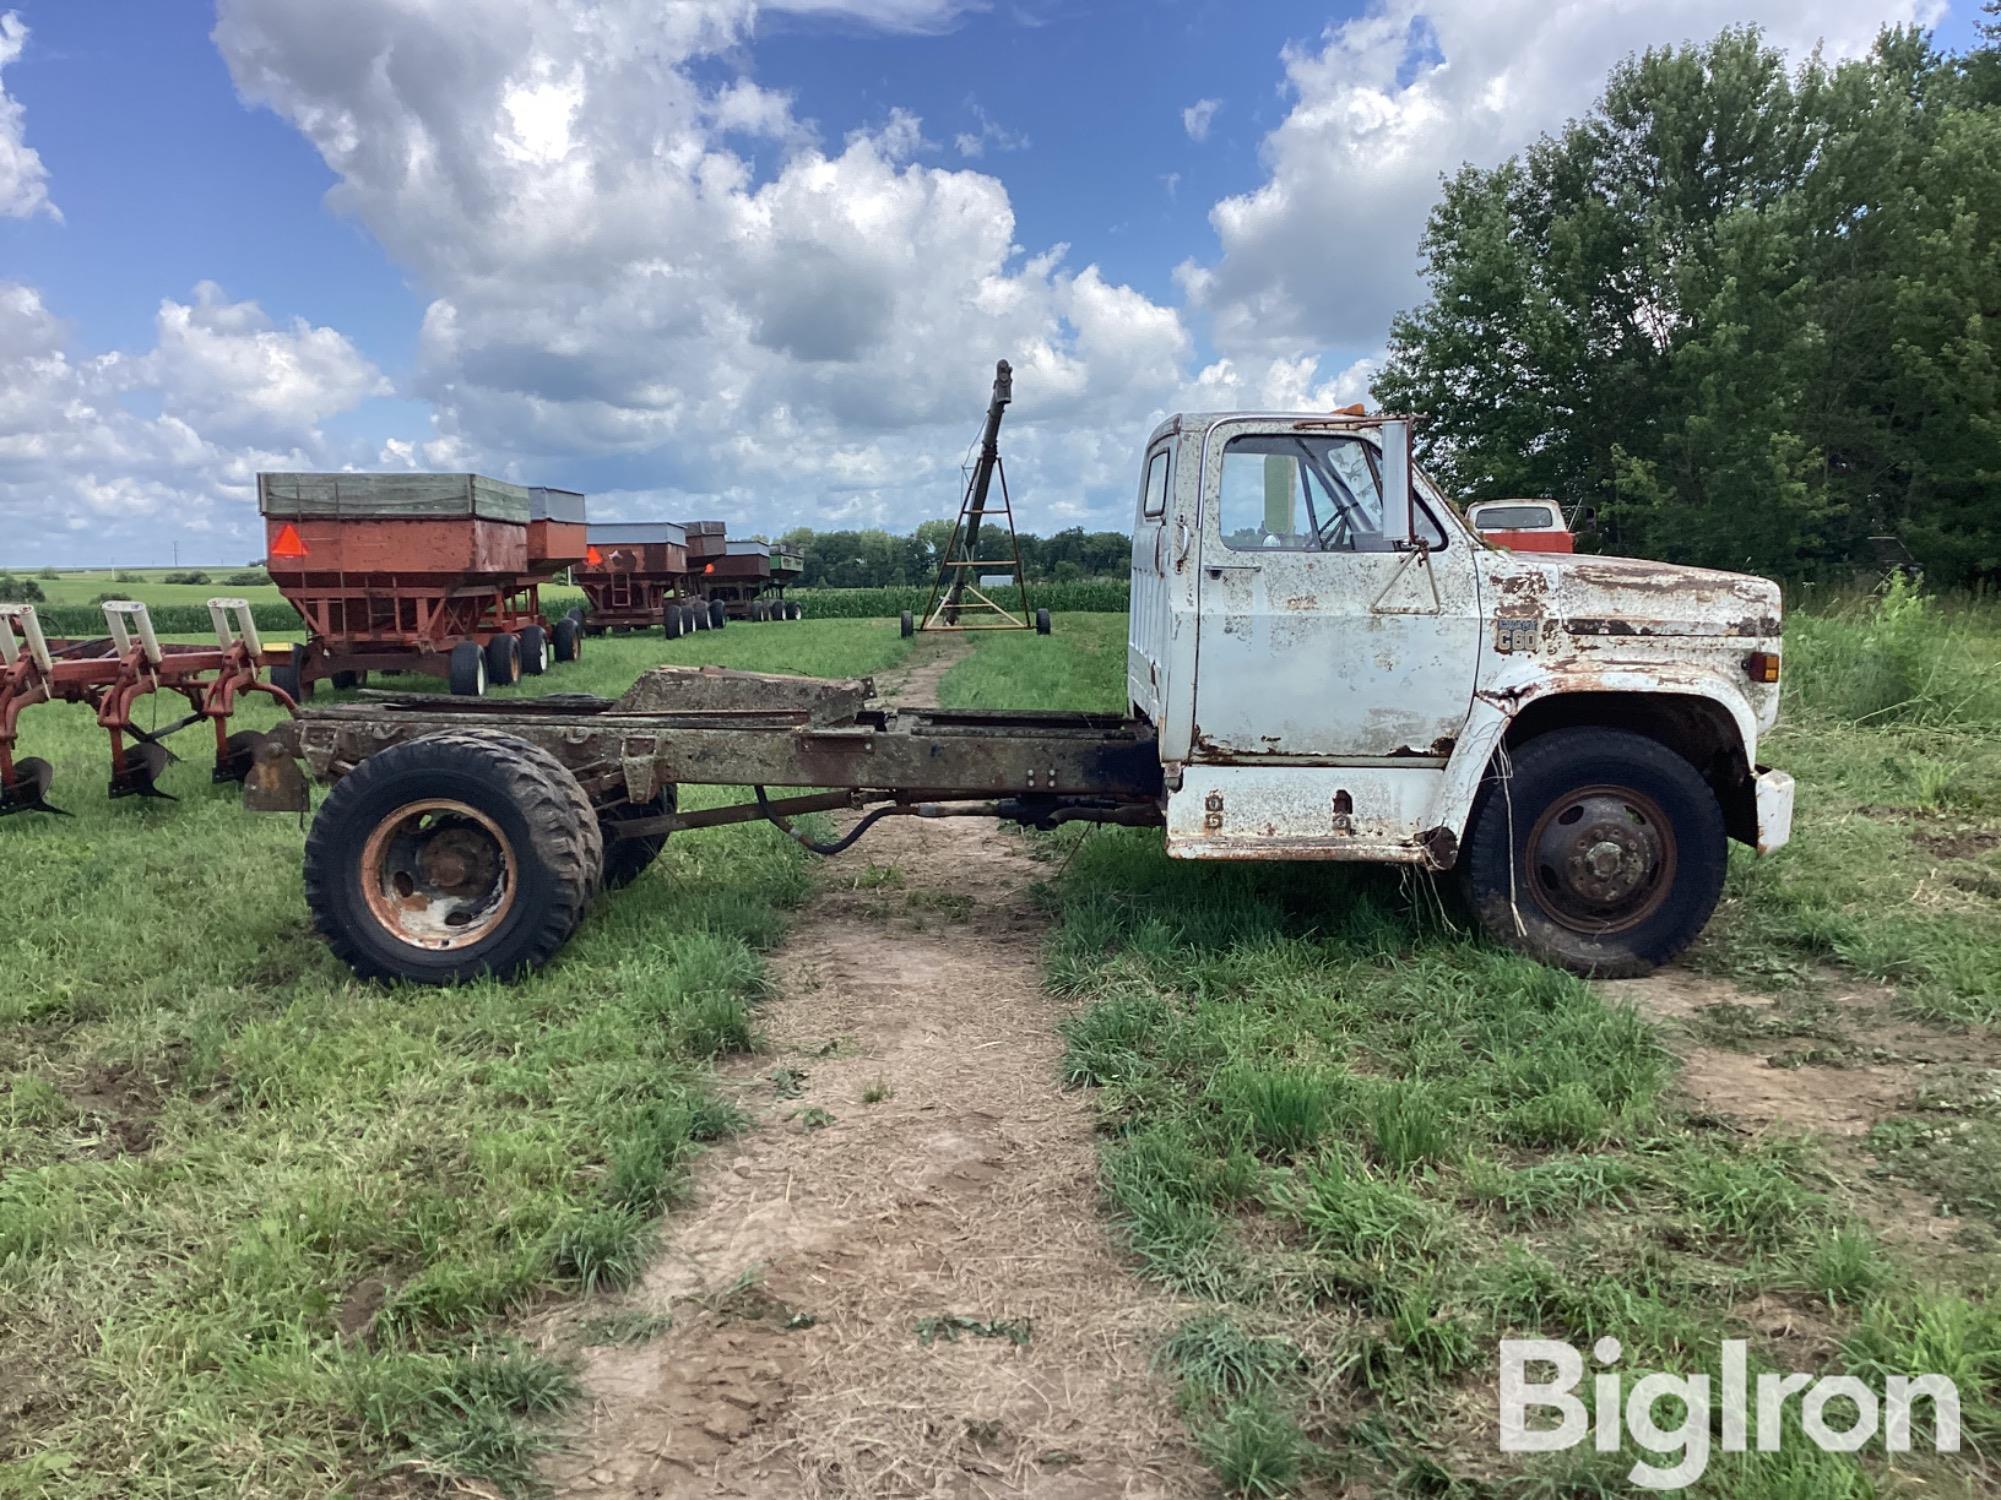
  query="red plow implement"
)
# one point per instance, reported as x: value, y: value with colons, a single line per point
x: 112, y: 675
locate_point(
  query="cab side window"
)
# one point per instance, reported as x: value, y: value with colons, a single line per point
x: 1153, y: 492
x: 1286, y: 492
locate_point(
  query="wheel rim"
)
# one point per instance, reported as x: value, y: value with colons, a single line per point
x: 1600, y: 859
x: 438, y: 875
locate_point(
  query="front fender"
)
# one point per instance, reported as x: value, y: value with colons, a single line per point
x: 1496, y: 708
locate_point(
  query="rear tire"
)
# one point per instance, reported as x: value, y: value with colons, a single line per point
x: 1607, y: 846
x: 671, y: 621
x: 625, y: 860
x: 285, y: 678
x: 467, y: 670
x: 908, y: 625
x: 343, y: 681
x: 795, y: 611
x: 698, y: 615
x: 503, y: 660
x: 534, y: 651
x: 569, y: 640
x: 718, y: 616
x: 1042, y: 622
x: 487, y: 797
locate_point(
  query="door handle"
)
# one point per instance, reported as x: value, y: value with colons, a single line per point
x: 1217, y: 570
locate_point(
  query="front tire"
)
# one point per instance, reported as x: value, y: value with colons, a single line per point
x: 718, y: 616
x: 452, y: 856
x: 1597, y: 850
x: 671, y: 622
x: 534, y: 651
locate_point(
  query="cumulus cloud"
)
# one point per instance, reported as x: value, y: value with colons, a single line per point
x: 24, y: 181
x: 1325, y: 250
x: 610, y: 274
x: 1198, y: 117
x: 102, y: 456
x: 227, y: 370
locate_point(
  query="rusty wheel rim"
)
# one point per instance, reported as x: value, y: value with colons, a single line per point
x: 438, y: 875
x: 1600, y: 859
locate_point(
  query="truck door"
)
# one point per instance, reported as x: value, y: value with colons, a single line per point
x: 1147, y: 656
x: 1318, y: 638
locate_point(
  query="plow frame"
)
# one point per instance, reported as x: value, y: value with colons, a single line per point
x: 112, y: 676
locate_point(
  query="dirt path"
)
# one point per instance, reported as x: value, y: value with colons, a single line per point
x: 1833, y: 1066
x: 898, y: 1280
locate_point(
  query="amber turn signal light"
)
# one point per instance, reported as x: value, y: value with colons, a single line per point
x: 1762, y: 666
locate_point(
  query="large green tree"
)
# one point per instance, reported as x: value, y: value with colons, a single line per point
x: 1749, y: 313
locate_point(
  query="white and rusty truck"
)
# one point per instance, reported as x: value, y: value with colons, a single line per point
x: 1324, y: 662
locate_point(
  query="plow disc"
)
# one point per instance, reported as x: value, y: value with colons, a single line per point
x: 29, y: 790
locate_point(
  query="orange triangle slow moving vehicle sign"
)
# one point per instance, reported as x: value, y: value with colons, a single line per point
x: 593, y: 558
x: 287, y: 542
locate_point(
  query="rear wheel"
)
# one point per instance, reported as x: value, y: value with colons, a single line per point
x: 718, y: 616
x: 698, y: 615
x: 466, y: 671
x: 671, y: 621
x: 1042, y: 622
x: 795, y: 611
x: 451, y: 856
x: 534, y: 651
x: 1602, y: 852
x: 907, y: 624
x: 625, y: 860
x: 347, y: 680
x: 568, y: 640
x: 503, y: 660
x: 286, y: 678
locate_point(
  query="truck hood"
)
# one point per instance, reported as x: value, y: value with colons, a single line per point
x: 1591, y: 595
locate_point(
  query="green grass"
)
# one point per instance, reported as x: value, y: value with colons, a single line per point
x: 1369, y: 1146
x: 261, y: 1226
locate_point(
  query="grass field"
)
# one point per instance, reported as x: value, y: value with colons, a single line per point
x: 259, y: 1223
x: 1372, y: 1147
x: 262, y: 1229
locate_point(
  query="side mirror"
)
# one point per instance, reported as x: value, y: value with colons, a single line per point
x: 1399, y: 504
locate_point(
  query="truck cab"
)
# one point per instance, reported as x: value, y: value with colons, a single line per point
x: 1337, y: 666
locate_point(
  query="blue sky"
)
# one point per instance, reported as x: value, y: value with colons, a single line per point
x: 749, y: 260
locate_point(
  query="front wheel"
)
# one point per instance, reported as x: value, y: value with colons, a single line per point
x: 1598, y: 850
x: 568, y: 640
x: 718, y: 616
x: 451, y: 856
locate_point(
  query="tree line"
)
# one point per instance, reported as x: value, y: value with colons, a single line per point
x: 879, y: 559
x: 1750, y: 313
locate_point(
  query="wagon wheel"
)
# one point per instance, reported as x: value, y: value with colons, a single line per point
x: 625, y: 860
x: 467, y: 670
x: 534, y: 650
x: 503, y: 660
x: 569, y: 640
x: 451, y: 856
